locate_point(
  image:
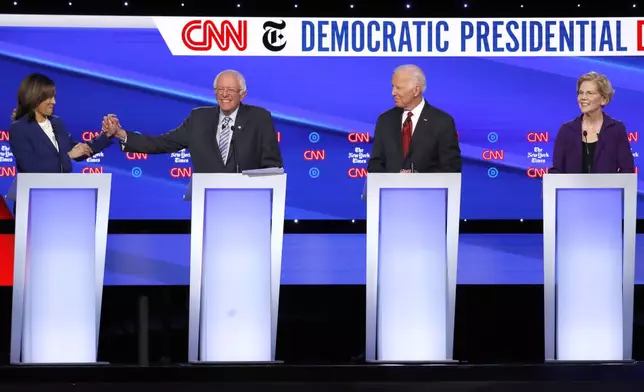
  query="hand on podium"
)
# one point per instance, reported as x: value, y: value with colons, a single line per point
x: 405, y: 171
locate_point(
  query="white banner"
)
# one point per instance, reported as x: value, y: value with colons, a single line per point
x: 402, y: 37
x: 330, y: 37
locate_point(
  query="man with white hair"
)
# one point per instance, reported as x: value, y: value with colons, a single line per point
x: 414, y: 136
x: 227, y: 138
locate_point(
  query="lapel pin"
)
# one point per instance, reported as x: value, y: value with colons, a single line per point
x: 424, y: 119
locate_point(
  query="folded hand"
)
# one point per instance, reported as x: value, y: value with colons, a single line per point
x: 80, y: 150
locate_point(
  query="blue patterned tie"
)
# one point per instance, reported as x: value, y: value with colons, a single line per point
x: 224, y: 138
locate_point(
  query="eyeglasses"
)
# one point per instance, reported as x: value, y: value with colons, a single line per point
x: 227, y: 90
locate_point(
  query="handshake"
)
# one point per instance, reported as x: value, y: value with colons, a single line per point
x: 112, y: 128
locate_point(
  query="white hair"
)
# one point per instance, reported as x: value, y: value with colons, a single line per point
x: 238, y: 75
x: 416, y: 74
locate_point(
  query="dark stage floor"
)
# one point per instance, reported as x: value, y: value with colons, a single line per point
x: 516, y: 378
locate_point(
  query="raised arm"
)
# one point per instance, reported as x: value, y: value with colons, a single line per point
x: 172, y: 141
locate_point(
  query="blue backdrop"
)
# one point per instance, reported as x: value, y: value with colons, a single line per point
x: 507, y: 111
x: 142, y: 259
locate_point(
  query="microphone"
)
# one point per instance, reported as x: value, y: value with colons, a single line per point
x: 408, y: 160
x: 585, y: 134
x: 233, y: 144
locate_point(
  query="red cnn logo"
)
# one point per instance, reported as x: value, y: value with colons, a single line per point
x: 640, y: 29
x: 538, y: 137
x: 633, y: 137
x: 357, y: 172
x: 88, y: 136
x: 314, y: 155
x: 7, y: 171
x: 221, y: 36
x: 136, y: 156
x: 534, y: 172
x: 359, y: 137
x: 181, y: 172
x: 92, y: 170
x: 492, y: 155
x: 4, y: 136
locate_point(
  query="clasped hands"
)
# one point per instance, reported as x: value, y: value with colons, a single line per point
x: 111, y: 127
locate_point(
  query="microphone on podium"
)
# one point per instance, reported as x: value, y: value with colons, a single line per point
x: 233, y: 143
x: 585, y: 134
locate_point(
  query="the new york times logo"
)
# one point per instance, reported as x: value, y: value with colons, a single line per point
x: 273, y: 38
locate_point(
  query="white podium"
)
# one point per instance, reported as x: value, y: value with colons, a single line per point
x: 589, y: 266
x: 235, y: 266
x: 412, y: 252
x: 61, y: 239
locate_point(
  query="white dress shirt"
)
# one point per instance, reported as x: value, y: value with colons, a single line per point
x: 416, y: 115
x: 49, y: 131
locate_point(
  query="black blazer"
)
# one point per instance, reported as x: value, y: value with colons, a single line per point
x: 255, y: 141
x: 434, y: 144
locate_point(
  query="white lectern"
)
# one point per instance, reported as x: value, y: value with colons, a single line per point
x: 589, y: 266
x: 61, y: 239
x: 235, y: 266
x: 412, y: 251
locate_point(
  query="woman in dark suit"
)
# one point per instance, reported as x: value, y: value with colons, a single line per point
x: 39, y: 140
x: 593, y: 142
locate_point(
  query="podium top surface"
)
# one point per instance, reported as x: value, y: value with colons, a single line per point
x: 26, y: 181
x: 271, y: 178
x: 414, y: 180
x: 590, y: 181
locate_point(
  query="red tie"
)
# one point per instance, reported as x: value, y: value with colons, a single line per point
x: 406, y: 133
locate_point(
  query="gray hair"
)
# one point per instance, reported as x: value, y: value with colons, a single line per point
x: 238, y: 75
x: 416, y: 74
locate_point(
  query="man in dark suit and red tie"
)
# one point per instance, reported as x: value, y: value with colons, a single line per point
x: 228, y: 138
x: 414, y: 136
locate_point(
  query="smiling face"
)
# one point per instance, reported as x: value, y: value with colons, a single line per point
x: 229, y: 92
x: 589, y: 97
x: 406, y: 93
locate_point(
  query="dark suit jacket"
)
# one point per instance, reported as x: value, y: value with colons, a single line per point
x: 612, y: 154
x: 35, y: 153
x: 434, y: 144
x: 255, y: 141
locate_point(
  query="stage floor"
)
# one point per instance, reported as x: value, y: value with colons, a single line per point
x: 515, y: 378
